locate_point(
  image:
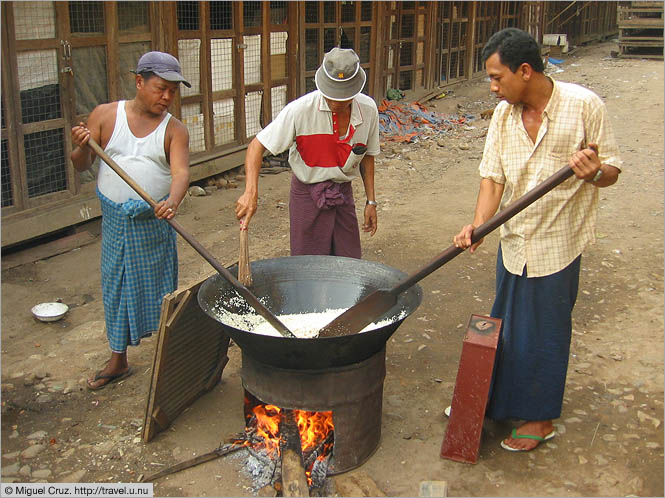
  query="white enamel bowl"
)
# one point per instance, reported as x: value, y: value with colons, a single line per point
x: 49, y: 312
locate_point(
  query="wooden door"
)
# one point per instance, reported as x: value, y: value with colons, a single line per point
x: 335, y: 24
x: 404, y: 41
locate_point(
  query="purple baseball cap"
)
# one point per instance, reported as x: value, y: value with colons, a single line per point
x: 163, y: 65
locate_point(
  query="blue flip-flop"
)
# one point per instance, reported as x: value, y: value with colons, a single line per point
x: 515, y: 435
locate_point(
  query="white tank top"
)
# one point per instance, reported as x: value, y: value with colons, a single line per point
x: 143, y: 159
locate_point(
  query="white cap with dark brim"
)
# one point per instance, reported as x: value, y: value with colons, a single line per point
x: 340, y: 76
x: 163, y: 65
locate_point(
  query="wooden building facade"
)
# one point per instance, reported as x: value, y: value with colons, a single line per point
x: 245, y: 61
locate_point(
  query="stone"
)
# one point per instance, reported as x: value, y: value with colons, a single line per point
x: 12, y: 455
x: 582, y: 460
x: 103, y: 448
x: 25, y: 471
x: 32, y: 451
x: 73, y: 477
x: 41, y: 474
x: 196, y: 191
x: 643, y: 417
x: 37, y: 435
x: 10, y: 470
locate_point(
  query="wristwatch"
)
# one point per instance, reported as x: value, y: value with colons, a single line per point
x: 371, y: 203
x: 597, y: 176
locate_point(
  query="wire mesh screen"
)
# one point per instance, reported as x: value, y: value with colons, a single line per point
x: 311, y: 49
x: 187, y: 14
x: 329, y: 39
x: 405, y: 80
x: 406, y: 53
x: 252, y: 59
x: 329, y: 12
x: 38, y: 84
x: 311, y: 11
x: 310, y: 85
x: 252, y: 14
x: 34, y: 20
x: 128, y: 56
x: 278, y: 99
x: 90, y: 78
x: 224, y: 121
x: 364, y: 44
x: 192, y: 117
x: 279, y: 13
x: 5, y: 175
x: 278, y: 55
x: 406, y: 30
x: 348, y: 11
x: 366, y: 11
x: 221, y: 15
x: 253, y: 104
x: 45, y: 162
x: 221, y: 63
x: 86, y: 18
x: 347, y: 38
x: 189, y: 56
x: 133, y: 17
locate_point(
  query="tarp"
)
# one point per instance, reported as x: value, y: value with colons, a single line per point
x: 406, y: 121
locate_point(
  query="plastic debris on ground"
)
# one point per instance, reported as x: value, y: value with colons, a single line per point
x: 409, y: 121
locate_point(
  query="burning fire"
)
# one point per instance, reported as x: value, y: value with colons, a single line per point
x: 315, y: 430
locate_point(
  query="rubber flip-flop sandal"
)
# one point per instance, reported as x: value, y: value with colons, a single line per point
x: 111, y: 379
x: 515, y: 435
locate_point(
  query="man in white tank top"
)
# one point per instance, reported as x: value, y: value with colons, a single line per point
x: 139, y: 259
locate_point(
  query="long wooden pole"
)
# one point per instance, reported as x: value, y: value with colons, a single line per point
x: 241, y: 289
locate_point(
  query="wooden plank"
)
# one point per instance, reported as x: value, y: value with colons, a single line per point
x: 190, y: 355
x: 33, y: 223
x: 50, y: 249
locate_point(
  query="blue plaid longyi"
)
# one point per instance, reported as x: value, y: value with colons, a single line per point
x: 139, y: 267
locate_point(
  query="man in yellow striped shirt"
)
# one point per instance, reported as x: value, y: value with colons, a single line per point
x: 539, y: 126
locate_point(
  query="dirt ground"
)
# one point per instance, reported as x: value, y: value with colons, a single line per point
x: 610, y: 435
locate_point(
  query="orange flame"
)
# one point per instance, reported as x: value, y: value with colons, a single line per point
x: 267, y: 426
x: 314, y: 428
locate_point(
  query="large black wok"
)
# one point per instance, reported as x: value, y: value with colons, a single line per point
x: 309, y: 284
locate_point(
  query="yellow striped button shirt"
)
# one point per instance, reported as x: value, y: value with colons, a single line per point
x: 548, y: 235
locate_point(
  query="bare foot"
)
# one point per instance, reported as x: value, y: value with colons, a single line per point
x: 541, y: 429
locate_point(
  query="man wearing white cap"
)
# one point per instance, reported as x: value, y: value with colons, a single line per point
x: 139, y: 258
x: 333, y: 136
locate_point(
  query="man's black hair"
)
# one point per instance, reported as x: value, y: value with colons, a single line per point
x: 515, y: 47
x: 146, y: 75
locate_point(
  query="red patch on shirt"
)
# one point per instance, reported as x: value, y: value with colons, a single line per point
x: 322, y: 150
